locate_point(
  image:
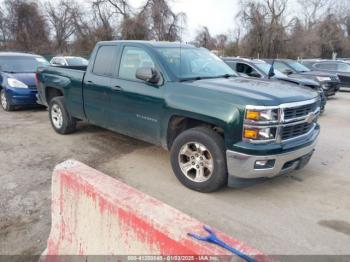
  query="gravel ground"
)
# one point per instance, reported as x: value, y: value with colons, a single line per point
x: 307, y: 212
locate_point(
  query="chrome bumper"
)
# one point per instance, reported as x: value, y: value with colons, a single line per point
x: 243, y: 166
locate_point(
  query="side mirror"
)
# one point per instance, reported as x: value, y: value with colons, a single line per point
x: 288, y: 72
x: 242, y: 74
x: 148, y: 74
x: 254, y: 74
x: 272, y: 74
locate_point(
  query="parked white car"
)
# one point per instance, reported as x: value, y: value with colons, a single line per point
x: 69, y: 61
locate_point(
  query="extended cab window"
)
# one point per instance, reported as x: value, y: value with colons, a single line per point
x: 133, y: 58
x: 103, y: 65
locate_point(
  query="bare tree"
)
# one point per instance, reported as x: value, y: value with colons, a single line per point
x: 135, y: 28
x: 331, y: 36
x: 27, y: 27
x: 253, y: 16
x: 204, y: 39
x: 164, y: 24
x: 221, y: 40
x: 3, y: 28
x: 266, y: 26
x: 313, y: 10
x: 121, y: 7
x: 61, y: 17
x: 103, y: 17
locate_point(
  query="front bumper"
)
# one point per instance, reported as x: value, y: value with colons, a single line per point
x: 330, y: 88
x: 21, y: 96
x: 242, y: 165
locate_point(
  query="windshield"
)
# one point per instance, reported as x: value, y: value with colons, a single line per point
x: 188, y: 63
x: 298, y: 67
x: 21, y: 64
x: 265, y: 67
x: 77, y: 61
x: 344, y: 67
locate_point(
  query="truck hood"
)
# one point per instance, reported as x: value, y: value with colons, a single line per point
x: 300, y: 81
x: 316, y: 73
x: 27, y: 78
x: 255, y: 92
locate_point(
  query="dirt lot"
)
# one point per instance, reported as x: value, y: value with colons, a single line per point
x: 307, y: 212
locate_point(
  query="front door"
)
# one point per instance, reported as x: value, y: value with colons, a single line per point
x: 135, y: 106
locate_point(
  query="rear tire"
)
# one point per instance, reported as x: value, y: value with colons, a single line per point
x: 198, y: 159
x: 61, y: 121
x: 5, y: 104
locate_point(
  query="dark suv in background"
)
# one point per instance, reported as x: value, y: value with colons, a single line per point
x: 256, y: 68
x: 342, y: 69
x: 329, y: 81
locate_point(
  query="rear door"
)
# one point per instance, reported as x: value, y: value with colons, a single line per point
x: 135, y: 106
x: 96, y: 84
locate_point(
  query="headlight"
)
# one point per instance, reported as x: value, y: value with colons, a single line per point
x: 252, y: 133
x: 257, y: 122
x: 323, y: 78
x: 16, y: 83
x: 262, y: 115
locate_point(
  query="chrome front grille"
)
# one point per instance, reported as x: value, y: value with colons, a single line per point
x: 334, y: 78
x: 299, y: 119
x: 299, y: 111
x: 289, y: 132
x: 293, y: 121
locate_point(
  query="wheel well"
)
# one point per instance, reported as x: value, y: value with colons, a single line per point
x: 178, y: 124
x: 52, y: 92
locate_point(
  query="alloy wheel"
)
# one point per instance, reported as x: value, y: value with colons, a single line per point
x: 196, y: 162
x: 56, y: 116
x: 3, y: 100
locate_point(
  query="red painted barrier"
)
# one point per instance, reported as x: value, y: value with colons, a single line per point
x: 94, y: 214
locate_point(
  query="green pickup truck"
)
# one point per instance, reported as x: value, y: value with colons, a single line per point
x: 221, y: 129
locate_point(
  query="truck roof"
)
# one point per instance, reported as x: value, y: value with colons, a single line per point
x: 152, y: 43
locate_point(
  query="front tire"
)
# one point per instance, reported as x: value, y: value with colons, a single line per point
x: 5, y: 104
x: 198, y: 159
x: 60, y: 118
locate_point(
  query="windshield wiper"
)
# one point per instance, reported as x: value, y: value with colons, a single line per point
x: 193, y: 78
x: 224, y: 76
x: 9, y: 72
x: 206, y: 77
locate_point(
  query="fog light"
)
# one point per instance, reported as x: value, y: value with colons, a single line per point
x: 263, y: 164
x: 251, y: 133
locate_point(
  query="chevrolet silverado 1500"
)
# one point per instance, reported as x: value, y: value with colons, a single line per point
x: 219, y: 128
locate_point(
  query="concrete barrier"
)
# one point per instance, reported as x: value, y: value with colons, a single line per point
x: 94, y: 214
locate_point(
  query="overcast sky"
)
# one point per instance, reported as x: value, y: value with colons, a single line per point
x: 217, y: 15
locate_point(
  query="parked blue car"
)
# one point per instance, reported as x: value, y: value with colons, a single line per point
x: 18, y: 79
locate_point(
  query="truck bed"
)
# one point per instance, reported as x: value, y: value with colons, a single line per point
x: 69, y: 80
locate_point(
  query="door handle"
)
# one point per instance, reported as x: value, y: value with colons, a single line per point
x: 117, y: 88
x: 90, y: 82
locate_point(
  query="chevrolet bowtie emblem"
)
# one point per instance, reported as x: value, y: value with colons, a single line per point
x: 310, y: 118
